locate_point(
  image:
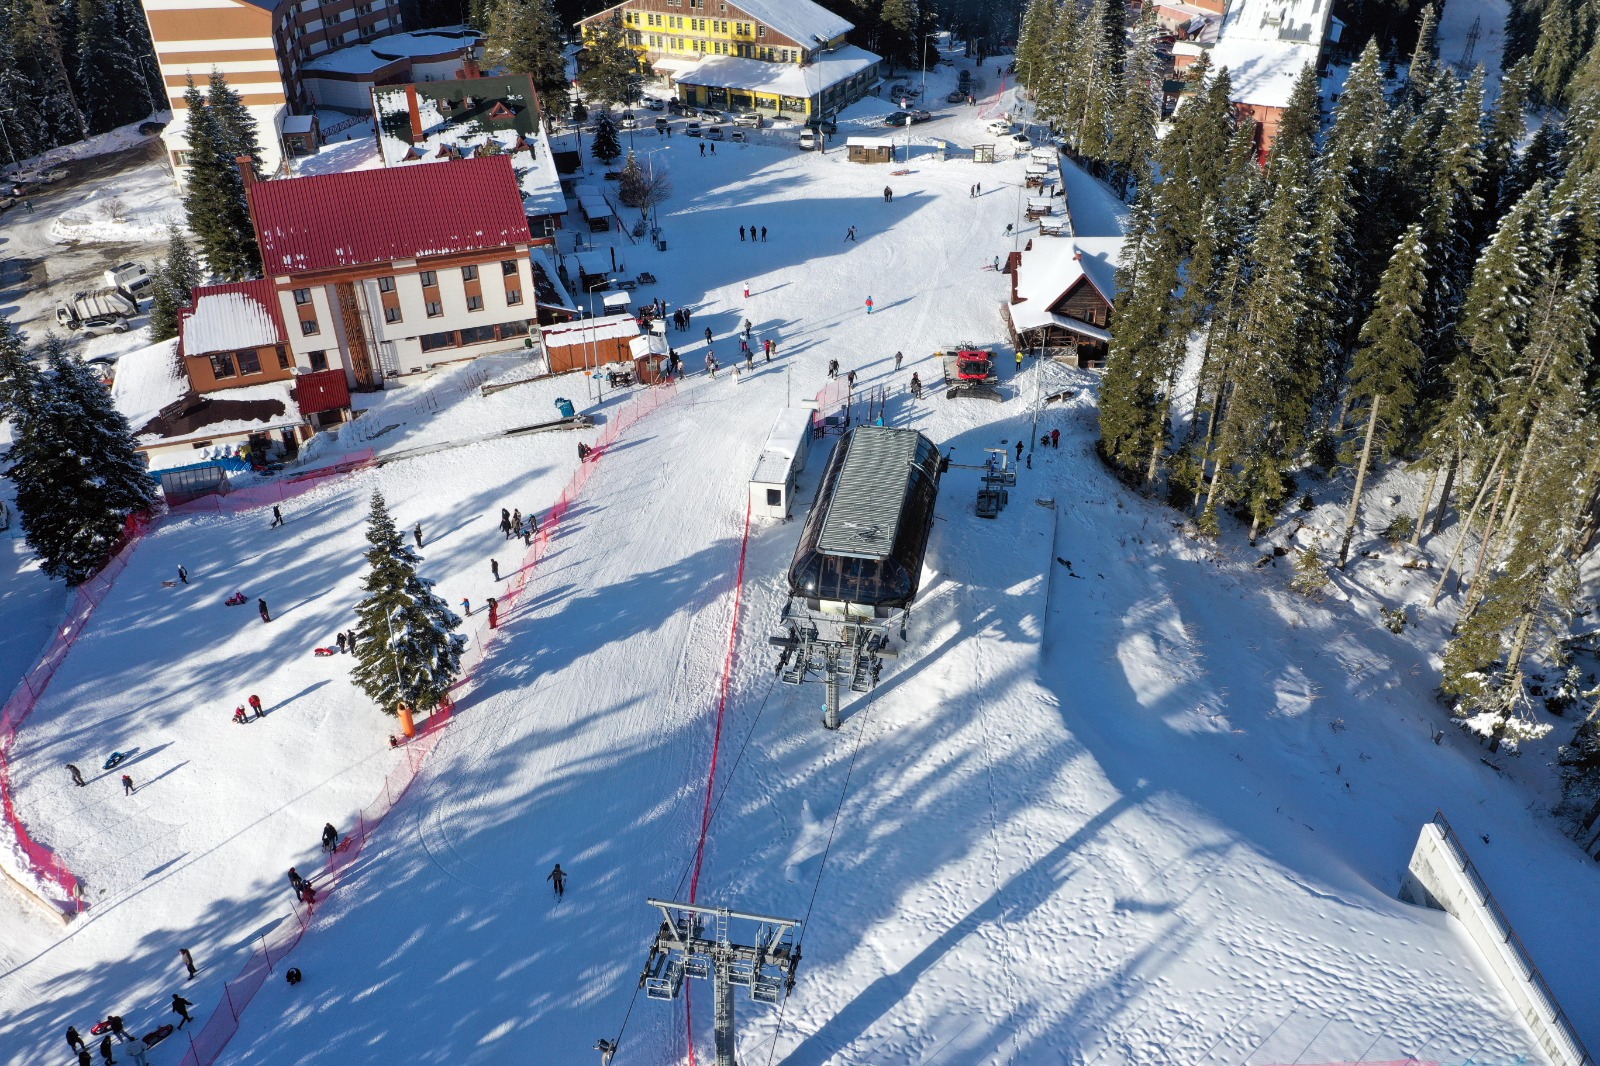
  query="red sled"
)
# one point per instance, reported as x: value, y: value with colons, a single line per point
x: 235, y: 600
x: 101, y: 1027
x: 155, y: 1036
x: 319, y: 652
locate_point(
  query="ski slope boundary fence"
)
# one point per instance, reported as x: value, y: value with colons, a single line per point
x: 237, y: 994
x: 220, y: 1028
x: 1440, y: 875
x: 42, y: 866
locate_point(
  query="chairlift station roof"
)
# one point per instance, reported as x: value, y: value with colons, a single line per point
x: 864, y: 515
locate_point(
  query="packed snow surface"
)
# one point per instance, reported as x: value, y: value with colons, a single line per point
x: 1121, y: 799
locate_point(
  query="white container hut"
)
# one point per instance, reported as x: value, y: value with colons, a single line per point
x: 773, y: 485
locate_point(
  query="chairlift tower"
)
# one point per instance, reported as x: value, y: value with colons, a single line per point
x: 697, y: 941
x: 835, y: 651
x: 1471, y: 46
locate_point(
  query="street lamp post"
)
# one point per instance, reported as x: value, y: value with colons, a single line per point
x: 925, y: 38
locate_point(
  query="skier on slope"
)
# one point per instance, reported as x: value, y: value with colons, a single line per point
x: 180, y: 1007
x: 558, y: 880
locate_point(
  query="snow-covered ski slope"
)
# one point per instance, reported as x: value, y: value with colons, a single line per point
x: 1091, y: 815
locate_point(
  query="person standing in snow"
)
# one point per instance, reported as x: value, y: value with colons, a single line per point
x: 494, y: 568
x: 708, y: 334
x: 1055, y: 438
x: 749, y: 359
x: 416, y: 534
x: 850, y: 381
x: 747, y: 327
x: 516, y: 521
x: 117, y: 1028
x: 898, y: 358
x: 766, y: 346
x: 188, y: 962
x: 180, y: 1007
x: 850, y: 234
x: 77, y: 775
x: 308, y: 896
x: 295, y: 880
x: 505, y: 525
x: 466, y: 607
x: 277, y: 517
x: 73, y: 1039
x: 916, y: 386
x: 741, y: 234
x: 747, y: 290
x: 261, y: 605
x: 1019, y: 451
x: 183, y: 575
x: 105, y: 1049
x: 494, y: 613
x: 888, y: 195
x: 84, y: 1058
x: 330, y: 838
x: 736, y: 375
x: 349, y: 642
x: 558, y: 879
x: 139, y: 1051
x: 869, y: 305
x: 763, y: 234
x: 127, y: 785
x: 1019, y: 360
x: 711, y: 363
x: 239, y: 717
x: 340, y: 642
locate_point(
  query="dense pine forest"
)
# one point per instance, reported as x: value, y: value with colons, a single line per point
x: 1406, y: 279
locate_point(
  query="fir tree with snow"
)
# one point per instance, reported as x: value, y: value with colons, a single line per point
x: 78, y: 475
x: 526, y: 36
x: 236, y: 127
x: 214, y: 201
x: 612, y: 73
x: 18, y: 375
x: 407, y: 650
x: 173, y: 285
x: 604, y: 146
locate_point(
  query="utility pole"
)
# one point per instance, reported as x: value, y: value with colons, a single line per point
x: 697, y: 941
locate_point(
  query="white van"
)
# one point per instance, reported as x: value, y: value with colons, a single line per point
x: 808, y: 140
x: 131, y: 278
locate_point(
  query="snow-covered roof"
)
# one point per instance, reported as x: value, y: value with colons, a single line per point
x: 377, y: 53
x: 1262, y: 72
x: 545, y: 272
x: 868, y: 142
x: 590, y: 330
x: 790, y: 432
x: 249, y: 409
x: 802, y: 20
x: 298, y: 123
x: 592, y: 202
x: 1286, y: 21
x: 503, y: 113
x: 147, y: 380
x: 224, y: 318
x: 1048, y: 268
x: 786, y: 79
x: 648, y: 344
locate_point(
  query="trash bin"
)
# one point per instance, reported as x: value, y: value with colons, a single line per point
x: 564, y: 405
x: 661, y: 245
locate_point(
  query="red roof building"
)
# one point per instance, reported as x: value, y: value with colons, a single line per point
x: 385, y: 272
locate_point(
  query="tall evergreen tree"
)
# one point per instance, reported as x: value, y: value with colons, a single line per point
x: 407, y: 651
x: 1422, y: 60
x: 524, y: 37
x: 110, y: 84
x: 1033, y: 44
x: 1138, y: 112
x: 1052, y: 80
x: 611, y: 71
x: 898, y: 24
x: 18, y: 375
x: 1383, y: 375
x: 236, y: 127
x: 214, y: 201
x: 77, y: 472
x: 174, y: 285
x: 604, y: 147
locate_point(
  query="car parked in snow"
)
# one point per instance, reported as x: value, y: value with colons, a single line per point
x: 751, y: 119
x: 692, y: 129
x: 98, y: 327
x: 1019, y: 142
x: 897, y: 118
x: 716, y: 133
x: 809, y: 140
x: 957, y: 97
x: 918, y: 115
x: 655, y: 104
x: 662, y: 124
x: 628, y: 122
x: 999, y: 127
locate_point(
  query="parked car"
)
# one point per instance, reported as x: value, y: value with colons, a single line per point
x: 901, y: 91
x: 999, y: 127
x: 716, y: 133
x: 749, y: 118
x: 655, y: 104
x: 823, y: 123
x: 628, y: 122
x: 1019, y: 142
x: 692, y: 129
x: 131, y: 278
x: 95, y: 327
x: 897, y: 118
x: 920, y: 116
x: 711, y: 114
x: 808, y: 140
x: 739, y: 136
x: 662, y: 123
x: 957, y: 97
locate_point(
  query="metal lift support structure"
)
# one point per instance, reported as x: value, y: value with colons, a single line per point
x: 855, y: 655
x: 697, y: 941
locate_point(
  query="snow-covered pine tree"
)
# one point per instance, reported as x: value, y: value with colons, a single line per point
x: 1032, y: 44
x: 175, y: 281
x: 214, y: 202
x: 1423, y: 59
x: 236, y: 127
x: 604, y: 146
x: 19, y: 377
x: 1138, y: 111
x: 1450, y: 209
x: 1090, y: 80
x: 407, y: 650
x: 109, y: 83
x: 1384, y: 371
x: 1050, y: 95
x: 46, y: 110
x: 77, y: 472
x: 612, y: 71
x: 526, y: 36
x: 1507, y: 128
x: 1557, y: 54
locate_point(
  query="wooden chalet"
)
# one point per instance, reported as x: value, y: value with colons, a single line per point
x: 1062, y: 296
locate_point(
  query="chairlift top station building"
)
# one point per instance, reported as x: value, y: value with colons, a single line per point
x: 860, y: 553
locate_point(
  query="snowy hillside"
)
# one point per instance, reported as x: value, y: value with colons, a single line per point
x: 1123, y: 798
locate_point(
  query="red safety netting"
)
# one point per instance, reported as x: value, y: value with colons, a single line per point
x: 208, y: 1045
x: 47, y: 867
x: 716, y: 747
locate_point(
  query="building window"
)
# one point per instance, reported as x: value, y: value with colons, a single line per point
x: 283, y: 358
x: 391, y: 314
x: 508, y: 267
x: 474, y: 303
x: 318, y: 360
x: 434, y: 341
x: 513, y: 296
x: 249, y: 362
x: 761, y: 31
x: 477, y: 335
x: 302, y: 296
x: 222, y: 366
x: 309, y: 328
x: 429, y: 279
x: 435, y: 309
x: 469, y: 273
x: 513, y: 329
x: 386, y: 284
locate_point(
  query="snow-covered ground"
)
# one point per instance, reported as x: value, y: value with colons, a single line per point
x: 1146, y: 807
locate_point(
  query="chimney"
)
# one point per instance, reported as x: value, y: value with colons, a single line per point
x: 469, y: 66
x: 247, y: 169
x: 416, y: 113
